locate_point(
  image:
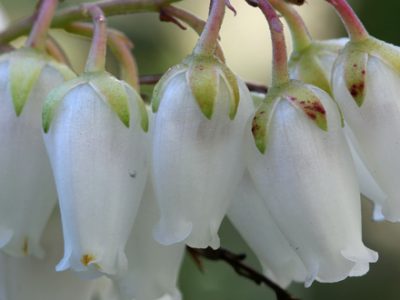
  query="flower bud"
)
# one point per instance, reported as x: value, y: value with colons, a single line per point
x: 95, y: 136
x: 366, y: 85
x: 314, y: 64
x: 197, y: 149
x: 27, y: 192
x: 153, y: 268
x: 252, y: 219
x: 306, y: 178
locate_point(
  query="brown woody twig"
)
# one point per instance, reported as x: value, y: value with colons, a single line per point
x: 236, y: 262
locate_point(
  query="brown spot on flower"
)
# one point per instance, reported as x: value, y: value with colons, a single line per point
x: 312, y: 115
x: 25, y: 247
x: 255, y: 127
x: 87, y: 259
x: 357, y: 89
x: 313, y: 108
x: 355, y: 66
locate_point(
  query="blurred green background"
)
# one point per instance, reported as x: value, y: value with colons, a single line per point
x: 246, y: 45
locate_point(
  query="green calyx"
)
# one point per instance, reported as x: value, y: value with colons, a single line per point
x: 299, y: 96
x: 25, y: 67
x: 308, y: 68
x: 356, y: 60
x: 355, y: 71
x: 262, y: 119
x: 203, y: 75
x: 111, y: 90
x: 162, y: 83
x: 54, y: 99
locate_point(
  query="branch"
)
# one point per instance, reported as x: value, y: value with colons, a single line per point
x: 236, y: 262
x: 254, y: 3
x: 153, y: 79
x: 80, y: 13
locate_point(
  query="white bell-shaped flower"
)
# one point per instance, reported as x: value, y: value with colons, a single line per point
x: 251, y: 218
x: 366, y: 84
x: 197, y: 149
x: 303, y: 169
x: 27, y: 191
x: 30, y: 278
x: 95, y: 136
x: 153, y: 268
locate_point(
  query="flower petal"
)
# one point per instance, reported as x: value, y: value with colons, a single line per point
x: 196, y: 163
x: 376, y: 128
x: 309, y: 185
x: 100, y: 167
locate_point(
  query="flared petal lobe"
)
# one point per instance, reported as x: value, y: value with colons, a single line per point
x: 251, y: 218
x: 100, y: 168
x: 197, y: 162
x: 30, y: 278
x: 153, y: 268
x: 375, y: 129
x: 308, y: 183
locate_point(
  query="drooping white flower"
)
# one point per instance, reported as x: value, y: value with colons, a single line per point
x: 96, y: 140
x: 251, y: 218
x: 27, y: 191
x: 306, y: 178
x: 30, y: 278
x: 153, y: 268
x: 197, y: 149
x: 366, y: 82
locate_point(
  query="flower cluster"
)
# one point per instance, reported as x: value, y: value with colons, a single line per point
x: 135, y: 183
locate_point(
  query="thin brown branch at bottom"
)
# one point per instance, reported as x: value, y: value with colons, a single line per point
x: 236, y: 262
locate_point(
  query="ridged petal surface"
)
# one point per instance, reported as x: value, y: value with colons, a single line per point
x: 376, y: 129
x: 309, y: 185
x: 100, y: 167
x: 196, y: 162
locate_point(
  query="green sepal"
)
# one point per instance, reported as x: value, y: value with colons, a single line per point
x: 389, y: 53
x: 144, y: 117
x: 203, y: 79
x: 310, y: 69
x: 304, y: 99
x: 355, y: 69
x: 54, y: 99
x: 162, y: 83
x: 262, y: 121
x: 234, y: 87
x: 24, y: 73
x: 112, y: 92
